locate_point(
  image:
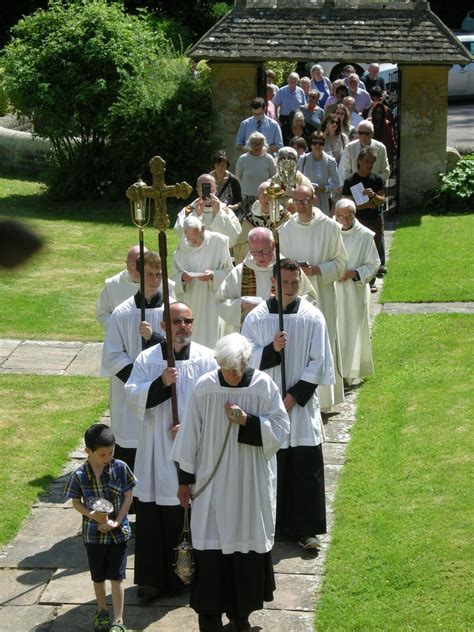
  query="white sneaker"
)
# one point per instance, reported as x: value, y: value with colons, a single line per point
x: 310, y: 542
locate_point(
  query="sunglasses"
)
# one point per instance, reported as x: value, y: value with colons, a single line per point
x: 363, y: 132
x: 317, y: 142
x: 183, y: 321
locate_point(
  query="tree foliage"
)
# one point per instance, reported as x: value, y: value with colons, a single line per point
x: 105, y: 88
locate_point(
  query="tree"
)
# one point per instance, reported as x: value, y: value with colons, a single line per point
x: 65, y: 68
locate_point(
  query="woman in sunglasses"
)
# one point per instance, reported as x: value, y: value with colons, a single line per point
x: 321, y: 169
x: 336, y: 140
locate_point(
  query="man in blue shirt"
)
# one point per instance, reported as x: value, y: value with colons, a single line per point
x: 289, y: 99
x: 259, y: 122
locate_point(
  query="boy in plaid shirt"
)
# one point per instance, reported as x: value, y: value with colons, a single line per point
x: 105, y: 536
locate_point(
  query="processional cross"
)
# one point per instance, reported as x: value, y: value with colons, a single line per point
x: 140, y: 195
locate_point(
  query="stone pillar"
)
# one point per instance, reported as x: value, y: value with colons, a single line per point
x: 423, y: 131
x: 234, y: 85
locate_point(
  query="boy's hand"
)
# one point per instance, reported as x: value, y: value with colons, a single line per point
x: 108, y: 526
x: 98, y: 516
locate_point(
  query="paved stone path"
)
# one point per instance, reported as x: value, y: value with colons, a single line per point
x: 44, y: 582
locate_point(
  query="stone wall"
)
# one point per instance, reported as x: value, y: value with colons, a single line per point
x: 23, y: 152
x: 423, y: 124
x: 233, y: 88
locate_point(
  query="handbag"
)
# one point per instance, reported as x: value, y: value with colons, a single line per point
x: 184, y: 565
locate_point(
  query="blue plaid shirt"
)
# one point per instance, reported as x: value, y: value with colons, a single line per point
x: 116, y: 479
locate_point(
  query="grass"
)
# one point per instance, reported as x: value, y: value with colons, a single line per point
x: 431, y: 260
x: 53, y: 296
x: 41, y: 420
x: 401, y: 554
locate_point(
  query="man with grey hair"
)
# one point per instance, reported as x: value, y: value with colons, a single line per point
x: 234, y: 418
x: 289, y: 99
x: 213, y: 213
x: 353, y: 295
x: 371, y: 78
x: 360, y: 95
x: 201, y: 262
x: 350, y: 155
x: 250, y: 282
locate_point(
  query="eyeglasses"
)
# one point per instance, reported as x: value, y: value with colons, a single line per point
x: 183, y: 321
x: 260, y: 253
x: 317, y: 142
x: 364, y: 132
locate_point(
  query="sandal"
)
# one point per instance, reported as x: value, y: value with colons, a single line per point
x: 118, y: 627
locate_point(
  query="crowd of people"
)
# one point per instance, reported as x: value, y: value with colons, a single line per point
x: 231, y: 422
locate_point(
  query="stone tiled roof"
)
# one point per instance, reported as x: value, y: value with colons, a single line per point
x: 328, y: 31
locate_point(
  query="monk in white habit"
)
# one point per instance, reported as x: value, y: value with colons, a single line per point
x: 123, y: 343
x: 236, y: 412
x: 214, y: 214
x: 200, y: 263
x: 251, y: 282
x: 353, y: 294
x: 301, y: 505
x: 314, y: 240
x: 121, y: 286
x: 159, y: 520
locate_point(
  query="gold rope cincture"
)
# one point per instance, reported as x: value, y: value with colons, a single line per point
x: 184, y: 566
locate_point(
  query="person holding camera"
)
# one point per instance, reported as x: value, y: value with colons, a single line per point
x: 213, y: 213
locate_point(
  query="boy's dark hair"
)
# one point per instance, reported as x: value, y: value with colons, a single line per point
x: 99, y: 436
x: 286, y: 264
x: 151, y: 258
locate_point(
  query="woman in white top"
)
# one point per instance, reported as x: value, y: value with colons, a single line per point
x: 253, y: 168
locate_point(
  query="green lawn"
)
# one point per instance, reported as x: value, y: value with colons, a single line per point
x: 431, y: 260
x: 402, y: 549
x: 41, y: 421
x: 53, y: 296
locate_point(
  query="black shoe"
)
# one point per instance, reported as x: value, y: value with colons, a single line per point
x: 147, y: 593
x: 210, y: 623
x: 381, y: 271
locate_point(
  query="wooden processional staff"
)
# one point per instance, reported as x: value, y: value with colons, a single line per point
x: 140, y: 196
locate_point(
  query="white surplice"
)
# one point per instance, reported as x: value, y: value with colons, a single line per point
x: 156, y: 473
x: 353, y: 302
x: 236, y: 511
x: 320, y: 243
x: 213, y: 254
x: 121, y: 347
x: 115, y: 291
x: 225, y: 221
x: 229, y: 295
x: 308, y: 357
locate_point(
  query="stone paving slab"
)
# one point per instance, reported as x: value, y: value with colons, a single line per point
x: 27, y: 619
x: 87, y: 361
x: 334, y: 453
x: 428, y: 308
x: 294, y: 592
x: 22, y: 587
x: 290, y: 558
x: 7, y: 347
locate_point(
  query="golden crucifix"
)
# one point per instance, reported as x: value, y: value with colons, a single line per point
x: 139, y: 193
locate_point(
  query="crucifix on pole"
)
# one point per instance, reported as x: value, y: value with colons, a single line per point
x: 139, y: 193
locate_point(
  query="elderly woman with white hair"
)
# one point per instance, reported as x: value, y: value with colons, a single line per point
x: 233, y: 425
x: 320, y: 83
x: 253, y: 168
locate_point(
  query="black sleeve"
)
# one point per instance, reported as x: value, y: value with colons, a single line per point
x: 157, y: 393
x: 124, y: 373
x: 302, y: 391
x: 184, y: 478
x: 270, y: 357
x: 346, y: 187
x: 251, y: 433
x: 154, y: 340
x: 236, y: 190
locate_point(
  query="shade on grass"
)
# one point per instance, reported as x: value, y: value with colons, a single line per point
x: 41, y: 421
x: 401, y: 555
x: 53, y: 296
x: 431, y: 260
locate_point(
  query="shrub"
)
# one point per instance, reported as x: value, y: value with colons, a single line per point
x: 456, y: 189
